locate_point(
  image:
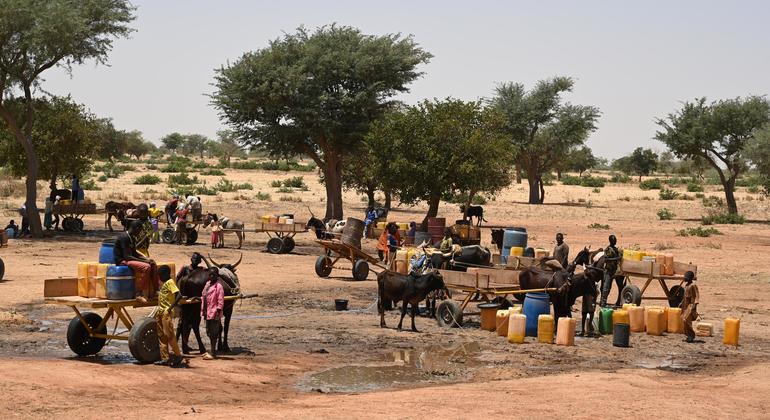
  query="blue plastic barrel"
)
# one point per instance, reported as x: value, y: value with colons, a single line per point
x: 535, y: 304
x: 120, y: 282
x: 513, y: 237
x: 107, y: 252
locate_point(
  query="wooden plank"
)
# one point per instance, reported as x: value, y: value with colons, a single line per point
x: 498, y: 275
x: 680, y: 268
x: 459, y: 279
x: 60, y: 287
x: 636, y: 267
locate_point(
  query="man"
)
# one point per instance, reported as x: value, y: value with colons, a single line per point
x: 196, y: 209
x: 371, y: 217
x: 14, y: 228
x: 212, y: 304
x: 171, y: 209
x: 446, y: 242
x: 611, y: 257
x: 24, y: 221
x: 145, y: 236
x: 75, y: 189
x: 145, y: 269
x: 168, y: 298
x: 689, y: 305
x: 561, y: 251
x: 195, y: 262
x: 48, y: 213
x: 181, y: 222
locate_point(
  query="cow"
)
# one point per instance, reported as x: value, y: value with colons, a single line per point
x: 473, y: 211
x: 469, y: 256
x: 411, y: 290
x: 117, y: 210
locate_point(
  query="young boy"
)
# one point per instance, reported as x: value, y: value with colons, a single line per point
x: 168, y: 298
x: 212, y: 304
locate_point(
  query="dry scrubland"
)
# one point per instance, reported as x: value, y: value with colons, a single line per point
x: 290, y: 332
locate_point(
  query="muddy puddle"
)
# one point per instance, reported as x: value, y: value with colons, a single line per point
x: 668, y: 364
x: 398, y: 368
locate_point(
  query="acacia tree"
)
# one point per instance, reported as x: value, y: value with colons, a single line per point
x: 541, y: 127
x: 440, y: 148
x: 642, y: 162
x: 225, y: 147
x: 758, y: 154
x: 136, y: 145
x: 316, y: 94
x: 37, y: 35
x: 194, y: 144
x: 581, y: 159
x: 717, y: 132
x: 173, y: 141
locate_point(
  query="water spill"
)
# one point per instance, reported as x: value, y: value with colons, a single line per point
x: 107, y: 358
x: 431, y: 364
x: 668, y: 364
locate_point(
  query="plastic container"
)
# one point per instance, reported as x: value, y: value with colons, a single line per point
x: 489, y: 316
x: 535, y: 304
x: 541, y: 253
x: 605, y: 321
x: 620, y: 335
x: 628, y: 305
x: 513, y: 238
x: 515, y: 309
x: 107, y: 252
x: 83, y: 278
x: 565, y: 333
x: 545, y: 329
x: 732, y: 331
x: 675, y: 324
x: 516, y: 251
x: 636, y: 318
x: 517, y: 328
x: 120, y: 282
x: 668, y: 266
x: 632, y: 255
x: 501, y: 322
x: 340, y: 304
x: 620, y: 317
x: 655, y: 321
x: 704, y: 329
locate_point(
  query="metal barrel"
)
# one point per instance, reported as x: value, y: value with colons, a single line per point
x: 352, y: 232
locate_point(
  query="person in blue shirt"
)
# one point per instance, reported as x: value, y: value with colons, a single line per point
x: 371, y: 216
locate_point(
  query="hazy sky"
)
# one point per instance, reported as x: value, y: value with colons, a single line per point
x: 634, y: 61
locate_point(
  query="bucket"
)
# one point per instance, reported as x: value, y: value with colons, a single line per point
x: 501, y: 322
x: 535, y: 304
x: 636, y: 318
x: 489, y: 316
x: 517, y: 328
x: 605, y: 321
x: 107, y: 252
x: 545, y: 329
x: 565, y: 333
x: 352, y: 232
x: 620, y: 335
x: 120, y: 282
x: 675, y: 324
x: 732, y: 331
x: 340, y: 304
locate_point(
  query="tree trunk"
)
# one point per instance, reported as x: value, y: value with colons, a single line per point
x: 542, y: 189
x: 388, y: 199
x: 370, y: 196
x: 333, y: 180
x: 640, y: 177
x: 433, y: 203
x: 534, y: 189
x: 558, y: 175
x: 518, y: 174
x: 729, y: 186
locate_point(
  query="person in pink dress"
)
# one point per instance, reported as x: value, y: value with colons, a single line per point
x: 212, y: 304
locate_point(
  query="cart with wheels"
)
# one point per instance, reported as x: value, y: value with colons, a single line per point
x: 281, y: 235
x: 71, y: 215
x: 336, y: 250
x: 650, y: 273
x: 168, y: 235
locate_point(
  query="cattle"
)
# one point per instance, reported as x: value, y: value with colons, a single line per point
x: 473, y: 211
x: 410, y: 290
x: 469, y: 256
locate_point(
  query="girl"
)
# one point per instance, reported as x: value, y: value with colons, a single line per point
x: 216, y: 232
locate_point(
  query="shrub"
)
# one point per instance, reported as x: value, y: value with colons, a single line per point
x: 276, y: 184
x: 225, y: 185
x: 585, y: 181
x: 651, y: 184
x: 181, y: 179
x: 102, y: 178
x: 712, y: 201
x: 295, y: 182
x: 249, y: 164
x: 111, y: 170
x: 126, y: 168
x: 200, y: 164
x: 699, y: 195
x: 694, y: 187
x: 263, y: 196
x: 675, y: 181
x: 666, y: 194
x: 665, y: 214
x: 699, y: 231
x: 570, y: 180
x: 723, y: 219
x: 625, y: 198
x: 286, y: 166
x: 90, y: 185
x: 152, y: 167
x: 598, y: 226
x: 175, y: 167
x: 285, y: 190
x: 620, y: 178
x: 213, y: 172
x: 147, y: 179
x: 596, y: 191
x: 291, y: 198
x: 749, y: 181
x: 686, y: 197
x: 753, y: 189
x: 205, y: 190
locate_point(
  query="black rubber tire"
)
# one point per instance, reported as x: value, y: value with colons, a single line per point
x: 67, y: 224
x: 275, y: 245
x: 360, y: 270
x: 323, y: 266
x: 168, y: 235
x: 676, y: 295
x: 78, y: 339
x: 192, y: 236
x: 143, y: 341
x: 2, y: 269
x: 520, y: 297
x: 288, y: 245
x: 631, y: 294
x: 78, y: 225
x: 449, y: 314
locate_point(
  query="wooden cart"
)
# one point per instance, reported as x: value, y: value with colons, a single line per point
x: 168, y: 235
x: 336, y: 250
x: 649, y: 272
x: 72, y: 215
x: 281, y: 235
x: 478, y: 285
x: 88, y: 331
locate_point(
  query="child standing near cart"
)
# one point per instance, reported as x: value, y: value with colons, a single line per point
x: 216, y: 233
x: 168, y: 298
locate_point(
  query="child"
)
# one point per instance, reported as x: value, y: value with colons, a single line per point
x: 168, y: 298
x: 216, y: 233
x: 212, y: 304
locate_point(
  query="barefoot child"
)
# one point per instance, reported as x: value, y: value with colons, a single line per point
x: 212, y: 304
x: 216, y: 233
x: 168, y: 298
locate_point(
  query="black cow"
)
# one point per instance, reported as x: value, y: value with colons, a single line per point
x: 474, y: 211
x: 410, y: 290
x: 471, y: 256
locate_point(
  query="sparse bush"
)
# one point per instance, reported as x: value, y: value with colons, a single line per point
x: 651, y: 184
x: 291, y: 198
x: 723, y: 219
x: 667, y: 194
x: 213, y: 172
x: 263, y: 196
x: 225, y: 185
x: 661, y: 246
x: 699, y: 231
x: 285, y: 190
x: 665, y: 214
x: 102, y: 178
x: 620, y: 178
x: 247, y: 165
x: 276, y: 184
x: 111, y: 170
x: 713, y: 245
x: 205, y: 190
x: 598, y: 226
x: 699, y: 195
x: 754, y: 189
x: 675, y: 181
x: 147, y: 179
x: 694, y: 187
x: 624, y: 198
x: 295, y: 182
x: 181, y: 179
x: 152, y: 167
x: 712, y: 201
x: 90, y: 185
x: 585, y: 181
x: 175, y: 167
x: 200, y: 164
x: 596, y: 191
x: 686, y: 197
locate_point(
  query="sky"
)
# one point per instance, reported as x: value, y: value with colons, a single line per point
x: 634, y: 61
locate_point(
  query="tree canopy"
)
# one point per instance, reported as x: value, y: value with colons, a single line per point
x: 541, y: 127
x: 580, y: 159
x: 717, y: 132
x: 173, y: 141
x: 316, y: 93
x: 194, y: 144
x: 37, y: 35
x: 758, y: 154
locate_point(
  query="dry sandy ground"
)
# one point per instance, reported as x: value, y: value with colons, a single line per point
x: 286, y: 340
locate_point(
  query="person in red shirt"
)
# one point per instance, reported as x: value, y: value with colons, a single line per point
x: 212, y: 304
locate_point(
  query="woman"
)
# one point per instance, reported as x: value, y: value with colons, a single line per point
x: 390, y: 235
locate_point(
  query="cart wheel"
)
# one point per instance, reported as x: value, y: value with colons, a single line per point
x: 78, y: 338
x: 2, y: 269
x: 323, y: 266
x: 78, y: 225
x: 143, y: 341
x: 631, y: 294
x: 360, y: 270
x: 449, y: 314
x: 275, y: 245
x: 192, y: 236
x: 676, y: 294
x: 67, y: 224
x: 288, y: 244
x: 168, y: 235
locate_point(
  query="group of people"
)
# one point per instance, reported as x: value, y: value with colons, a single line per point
x: 181, y: 211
